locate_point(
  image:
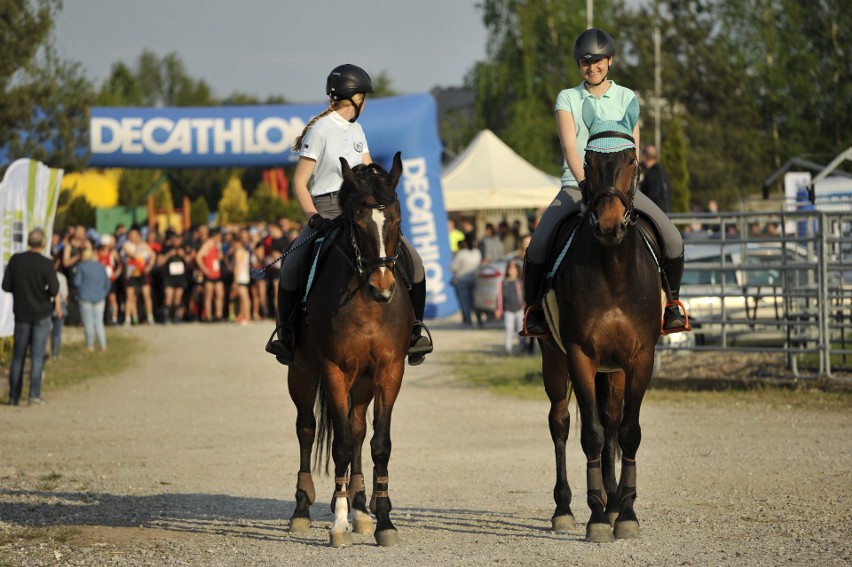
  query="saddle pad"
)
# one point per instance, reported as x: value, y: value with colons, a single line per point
x: 318, y: 251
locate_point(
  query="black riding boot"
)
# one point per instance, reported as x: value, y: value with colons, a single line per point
x: 421, y: 345
x: 284, y: 347
x: 534, y: 321
x: 673, y: 320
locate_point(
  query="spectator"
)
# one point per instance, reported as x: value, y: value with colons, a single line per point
x: 31, y: 279
x: 209, y: 261
x: 93, y: 287
x: 242, y: 276
x: 491, y: 246
x: 139, y: 261
x: 456, y: 236
x: 510, y: 306
x: 173, y: 262
x: 109, y: 257
x: 464, y: 267
x: 656, y: 184
x: 59, y: 310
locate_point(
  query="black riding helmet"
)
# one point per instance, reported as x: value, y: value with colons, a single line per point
x: 594, y: 44
x: 345, y: 81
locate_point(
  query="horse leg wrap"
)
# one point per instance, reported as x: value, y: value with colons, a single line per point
x: 306, y: 482
x: 627, y: 486
x: 378, y: 491
x: 594, y: 481
x: 356, y: 485
x: 340, y: 491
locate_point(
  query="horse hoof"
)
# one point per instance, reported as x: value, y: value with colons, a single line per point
x: 599, y: 533
x: 628, y: 529
x: 611, y: 517
x: 363, y: 523
x: 340, y: 539
x: 387, y: 538
x: 299, y: 525
x: 563, y: 524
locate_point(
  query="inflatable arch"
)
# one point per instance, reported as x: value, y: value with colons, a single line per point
x: 261, y: 136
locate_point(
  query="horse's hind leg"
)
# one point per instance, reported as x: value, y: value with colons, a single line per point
x: 554, y: 369
x: 610, y: 393
x: 380, y: 446
x: 629, y: 437
x: 360, y: 395
x: 301, y: 388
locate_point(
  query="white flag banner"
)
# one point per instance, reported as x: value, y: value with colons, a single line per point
x: 29, y: 194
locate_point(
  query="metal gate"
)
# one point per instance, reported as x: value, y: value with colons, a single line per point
x: 780, y: 282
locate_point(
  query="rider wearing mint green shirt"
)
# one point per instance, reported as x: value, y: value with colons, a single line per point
x: 595, y: 99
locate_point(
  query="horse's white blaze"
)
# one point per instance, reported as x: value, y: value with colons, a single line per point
x: 341, y: 515
x: 379, y: 219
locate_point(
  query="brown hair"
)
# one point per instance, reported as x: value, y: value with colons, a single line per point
x: 357, y: 98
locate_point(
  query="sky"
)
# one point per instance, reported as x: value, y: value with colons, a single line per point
x: 279, y: 47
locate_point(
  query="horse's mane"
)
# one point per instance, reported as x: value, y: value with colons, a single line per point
x: 373, y: 182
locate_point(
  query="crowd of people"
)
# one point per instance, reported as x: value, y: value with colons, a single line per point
x: 201, y: 274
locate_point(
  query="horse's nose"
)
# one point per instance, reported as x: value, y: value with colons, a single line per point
x: 382, y: 285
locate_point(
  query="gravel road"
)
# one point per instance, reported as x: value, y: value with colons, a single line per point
x: 190, y: 458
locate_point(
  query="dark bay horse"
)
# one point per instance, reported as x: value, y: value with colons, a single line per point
x: 604, y: 312
x: 352, y: 343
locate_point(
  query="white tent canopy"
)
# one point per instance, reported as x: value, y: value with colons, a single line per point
x: 490, y: 175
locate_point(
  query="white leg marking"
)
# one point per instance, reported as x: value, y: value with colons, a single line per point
x: 341, y: 516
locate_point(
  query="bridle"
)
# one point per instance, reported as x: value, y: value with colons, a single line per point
x: 630, y: 216
x: 378, y: 261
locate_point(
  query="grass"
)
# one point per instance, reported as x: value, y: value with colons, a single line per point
x: 75, y: 365
x: 520, y: 377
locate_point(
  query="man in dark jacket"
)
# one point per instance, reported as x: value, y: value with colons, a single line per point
x: 31, y: 279
x: 656, y: 185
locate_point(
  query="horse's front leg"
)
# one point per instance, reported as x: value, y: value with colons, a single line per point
x: 302, y: 391
x: 629, y: 437
x: 610, y: 392
x: 554, y: 368
x: 582, y: 371
x: 337, y: 393
x: 361, y: 396
x: 388, y: 383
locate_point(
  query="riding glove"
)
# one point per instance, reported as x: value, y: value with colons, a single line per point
x: 320, y: 224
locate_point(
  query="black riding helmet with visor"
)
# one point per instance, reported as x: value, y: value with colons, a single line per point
x: 345, y: 81
x: 593, y: 45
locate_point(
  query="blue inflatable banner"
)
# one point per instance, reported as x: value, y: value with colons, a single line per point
x: 261, y: 136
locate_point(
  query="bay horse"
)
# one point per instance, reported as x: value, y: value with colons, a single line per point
x: 352, y: 342
x: 604, y: 311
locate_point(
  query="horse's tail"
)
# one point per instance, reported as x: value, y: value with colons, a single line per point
x: 325, y: 430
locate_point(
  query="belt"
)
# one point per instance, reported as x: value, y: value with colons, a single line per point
x: 331, y: 195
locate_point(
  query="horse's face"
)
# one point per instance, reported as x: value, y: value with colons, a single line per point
x: 611, y: 181
x: 370, y: 203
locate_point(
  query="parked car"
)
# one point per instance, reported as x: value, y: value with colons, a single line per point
x: 749, y: 291
x: 489, y: 280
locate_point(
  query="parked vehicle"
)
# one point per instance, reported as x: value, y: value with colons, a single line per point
x: 489, y: 280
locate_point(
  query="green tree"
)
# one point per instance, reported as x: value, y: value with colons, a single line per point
x: 234, y: 206
x: 45, y: 99
x: 199, y: 212
x: 674, y: 160
x: 263, y: 205
x: 382, y: 86
x: 78, y: 211
x: 135, y: 185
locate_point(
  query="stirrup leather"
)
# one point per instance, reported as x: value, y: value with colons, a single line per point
x: 686, y: 326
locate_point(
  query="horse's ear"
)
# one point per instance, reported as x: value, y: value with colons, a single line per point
x: 396, y: 169
x: 348, y: 177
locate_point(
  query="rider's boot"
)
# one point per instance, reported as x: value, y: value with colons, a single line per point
x: 421, y: 344
x: 284, y: 347
x: 675, y: 317
x: 534, y: 321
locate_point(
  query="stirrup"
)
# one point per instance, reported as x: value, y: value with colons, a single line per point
x: 535, y: 334
x: 680, y: 329
x: 419, y: 348
x: 282, y: 352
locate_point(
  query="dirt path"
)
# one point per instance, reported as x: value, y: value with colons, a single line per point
x: 190, y: 458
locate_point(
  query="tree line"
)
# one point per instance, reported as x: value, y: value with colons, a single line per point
x: 746, y: 85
